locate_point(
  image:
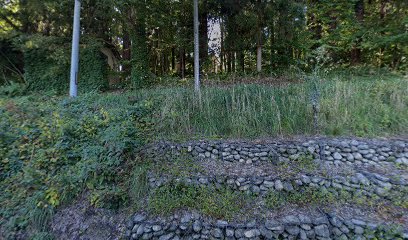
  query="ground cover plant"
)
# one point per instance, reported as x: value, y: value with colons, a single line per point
x: 53, y: 149
x: 348, y: 105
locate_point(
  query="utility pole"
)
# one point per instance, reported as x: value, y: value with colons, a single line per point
x: 73, y: 86
x: 196, y: 49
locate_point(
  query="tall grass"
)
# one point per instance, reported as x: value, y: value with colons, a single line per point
x: 360, y: 106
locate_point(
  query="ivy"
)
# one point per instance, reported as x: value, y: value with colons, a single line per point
x: 47, y: 64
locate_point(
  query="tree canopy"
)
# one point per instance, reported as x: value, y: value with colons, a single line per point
x: 144, y: 39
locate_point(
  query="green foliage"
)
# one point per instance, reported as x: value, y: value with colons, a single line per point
x: 307, y: 196
x: 219, y: 203
x: 13, y: 89
x: 93, y: 69
x: 54, y: 149
x: 138, y: 184
x: 47, y: 64
x: 370, y: 105
x: 180, y: 166
x: 139, y: 63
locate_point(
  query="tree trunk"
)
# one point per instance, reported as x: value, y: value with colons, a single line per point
x: 203, y: 32
x: 242, y: 60
x: 196, y: 49
x: 222, y: 54
x: 126, y: 52
x: 356, y: 51
x: 173, y: 58
x: 182, y: 63
x: 259, y: 58
x: 229, y: 61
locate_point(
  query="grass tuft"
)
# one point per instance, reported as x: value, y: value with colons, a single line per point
x: 219, y: 203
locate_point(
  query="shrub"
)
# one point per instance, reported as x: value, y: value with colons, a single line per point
x: 47, y: 64
x: 54, y: 149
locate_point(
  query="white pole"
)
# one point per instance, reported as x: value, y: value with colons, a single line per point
x: 196, y: 49
x: 73, y: 86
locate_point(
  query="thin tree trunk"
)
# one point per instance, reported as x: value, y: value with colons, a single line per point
x: 356, y: 51
x: 259, y: 58
x: 173, y: 58
x: 222, y: 60
x: 203, y: 30
x: 126, y: 52
x: 196, y: 49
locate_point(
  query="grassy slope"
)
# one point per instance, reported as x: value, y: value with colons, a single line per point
x: 52, y: 149
x: 362, y: 106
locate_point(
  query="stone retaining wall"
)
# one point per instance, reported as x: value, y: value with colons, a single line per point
x: 367, y: 184
x: 335, y: 151
x: 193, y: 226
x: 365, y: 158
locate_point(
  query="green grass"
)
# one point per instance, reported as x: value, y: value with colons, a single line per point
x: 219, y: 203
x: 52, y: 149
x: 307, y: 196
x: 361, y: 106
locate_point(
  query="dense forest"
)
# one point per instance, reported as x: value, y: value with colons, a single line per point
x: 136, y: 42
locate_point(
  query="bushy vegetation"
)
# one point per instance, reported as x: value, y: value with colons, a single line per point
x: 221, y: 203
x: 348, y: 105
x: 48, y: 61
x: 54, y: 149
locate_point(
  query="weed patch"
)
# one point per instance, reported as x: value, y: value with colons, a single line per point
x: 220, y: 203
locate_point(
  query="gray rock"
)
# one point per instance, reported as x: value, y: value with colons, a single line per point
x: 138, y: 218
x: 140, y: 229
x: 293, y: 230
x: 362, y: 179
x: 167, y: 236
x: 335, y: 221
x: 358, y: 222
x: 156, y: 228
x: 221, y: 223
x: 304, y: 219
x: 271, y: 224
x: 344, y: 229
x: 278, y: 185
x: 239, y: 233
x: 320, y: 221
x: 305, y: 179
x: 306, y: 227
x: 186, y: 218
x: 303, y: 235
x: 217, y: 233
x: 267, y: 234
x: 197, y: 226
x: 252, y: 233
x: 229, y: 232
x: 203, y: 180
x: 251, y: 224
x: 357, y: 156
x: 337, y: 156
x: 337, y: 232
x: 147, y: 236
x: 291, y: 220
x: 288, y: 186
x: 359, y: 230
x: 322, y: 230
x: 381, y: 191
x: 268, y: 184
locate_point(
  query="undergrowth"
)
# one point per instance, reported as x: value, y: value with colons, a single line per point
x: 348, y: 105
x: 220, y: 203
x: 54, y: 149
